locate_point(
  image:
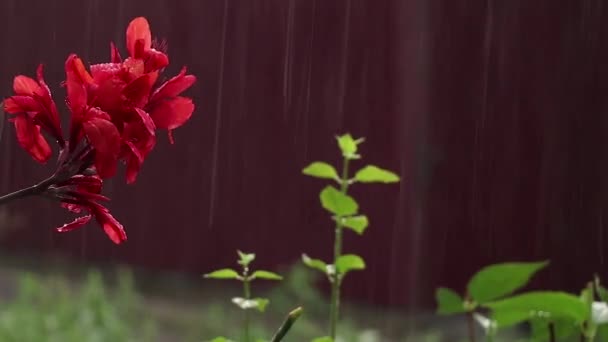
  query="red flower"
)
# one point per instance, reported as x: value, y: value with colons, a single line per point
x: 139, y: 44
x: 34, y: 109
x: 82, y: 193
x: 115, y: 110
x: 91, y: 122
x: 167, y: 108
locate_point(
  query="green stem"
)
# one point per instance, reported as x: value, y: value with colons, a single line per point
x: 247, y: 293
x: 284, y: 329
x: 334, y: 312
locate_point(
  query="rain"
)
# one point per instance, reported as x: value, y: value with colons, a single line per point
x: 492, y: 115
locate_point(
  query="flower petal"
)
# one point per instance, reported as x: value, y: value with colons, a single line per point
x: 22, y: 104
x: 30, y: 138
x: 139, y: 90
x: 77, y: 223
x: 113, y: 229
x: 105, y: 138
x: 173, y: 87
x: 23, y: 85
x: 114, y: 54
x: 75, y: 70
x: 170, y: 114
x: 138, y: 30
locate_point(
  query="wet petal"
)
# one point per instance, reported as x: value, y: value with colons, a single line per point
x: 21, y: 104
x: 173, y: 87
x: 170, y: 114
x: 105, y: 138
x: 138, y: 30
x: 77, y: 98
x: 114, y: 54
x: 113, y: 229
x: 77, y: 223
x: 23, y: 85
x: 134, y: 162
x: 139, y: 90
x: 155, y: 60
x: 76, y: 71
x: 30, y: 138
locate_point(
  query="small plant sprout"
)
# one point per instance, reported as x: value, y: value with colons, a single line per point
x: 245, y: 303
x: 345, y: 212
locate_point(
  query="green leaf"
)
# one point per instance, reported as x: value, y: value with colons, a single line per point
x: 347, y: 144
x: 262, y: 303
x: 314, y: 263
x: 356, y: 223
x: 225, y: 273
x: 221, y: 339
x: 374, y: 174
x: 245, y: 258
x: 323, y: 339
x: 261, y: 274
x: 495, y: 281
x: 349, y: 262
x: 338, y: 203
x: 507, y: 318
x: 321, y: 170
x: 545, y: 303
x: 563, y: 328
x: 448, y: 302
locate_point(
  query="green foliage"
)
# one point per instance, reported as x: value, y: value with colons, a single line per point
x: 225, y: 273
x: 345, y: 209
x: 449, y: 302
x: 261, y: 274
x: 338, y: 203
x: 349, y: 146
x: 349, y: 262
x: 321, y: 170
x: 551, y: 303
x: 495, y: 281
x: 357, y: 223
x: 245, y: 258
x: 317, y: 264
x: 50, y: 309
x: 246, y: 302
x: 323, y: 339
x: 374, y: 174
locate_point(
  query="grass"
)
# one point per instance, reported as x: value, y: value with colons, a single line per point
x: 59, y: 301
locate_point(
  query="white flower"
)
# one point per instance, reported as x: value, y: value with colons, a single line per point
x: 599, y: 312
x: 487, y: 324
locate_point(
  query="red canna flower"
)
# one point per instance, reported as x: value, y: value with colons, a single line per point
x: 167, y: 108
x: 91, y: 122
x: 34, y: 110
x: 115, y: 110
x: 81, y: 193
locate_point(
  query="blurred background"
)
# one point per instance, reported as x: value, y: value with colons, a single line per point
x: 492, y: 112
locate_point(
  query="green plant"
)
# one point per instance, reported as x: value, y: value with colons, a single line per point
x: 247, y: 302
x: 345, y: 213
x: 551, y: 315
x: 49, y: 309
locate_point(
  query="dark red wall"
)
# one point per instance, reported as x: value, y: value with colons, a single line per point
x: 492, y: 112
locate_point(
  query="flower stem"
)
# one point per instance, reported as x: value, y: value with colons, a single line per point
x: 247, y: 294
x: 289, y: 321
x: 336, y: 280
x: 471, y: 324
x: 26, y: 192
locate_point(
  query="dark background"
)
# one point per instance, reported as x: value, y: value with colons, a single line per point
x: 492, y: 112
